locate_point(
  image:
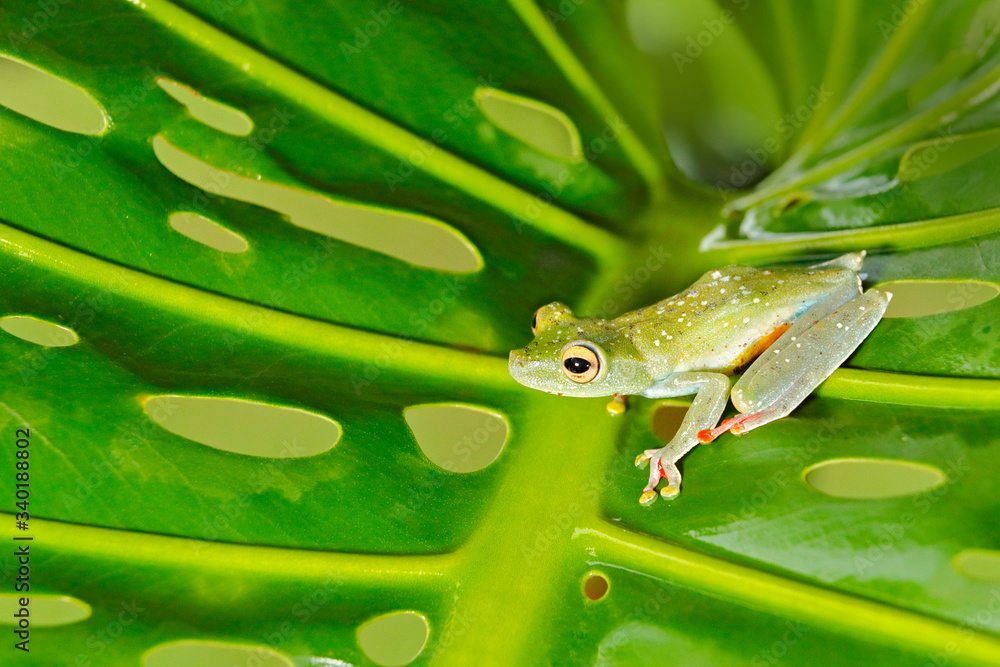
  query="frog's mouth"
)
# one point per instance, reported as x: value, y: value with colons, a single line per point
x: 519, y: 369
x: 529, y: 372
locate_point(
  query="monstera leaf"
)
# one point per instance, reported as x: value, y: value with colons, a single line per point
x: 259, y: 286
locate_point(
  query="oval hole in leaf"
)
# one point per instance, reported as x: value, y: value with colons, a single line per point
x: 245, y: 427
x: 871, y: 479
x: 38, y: 331
x: 412, y: 238
x: 48, y: 99
x: 916, y: 298
x: 212, y: 654
x: 394, y: 639
x: 459, y: 438
x: 979, y: 564
x: 46, y: 610
x: 207, y: 232
x: 214, y: 114
x: 667, y: 419
x: 595, y: 586
x: 543, y: 127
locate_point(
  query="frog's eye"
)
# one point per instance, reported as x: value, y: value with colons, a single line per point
x: 534, y: 322
x: 581, y: 364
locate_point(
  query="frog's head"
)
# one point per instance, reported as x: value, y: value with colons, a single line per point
x: 578, y: 357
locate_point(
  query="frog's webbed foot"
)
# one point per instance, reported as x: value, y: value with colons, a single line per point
x: 617, y: 405
x: 658, y: 469
x: 712, y: 390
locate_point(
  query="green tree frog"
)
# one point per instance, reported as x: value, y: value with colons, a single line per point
x: 790, y: 329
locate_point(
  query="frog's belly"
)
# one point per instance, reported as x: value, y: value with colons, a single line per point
x: 755, y: 348
x: 738, y: 352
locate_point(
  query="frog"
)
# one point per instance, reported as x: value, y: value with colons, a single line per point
x: 783, y: 331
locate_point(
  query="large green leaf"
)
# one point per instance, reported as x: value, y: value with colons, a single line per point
x: 533, y: 133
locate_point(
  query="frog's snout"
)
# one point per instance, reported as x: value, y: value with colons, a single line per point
x: 518, y: 368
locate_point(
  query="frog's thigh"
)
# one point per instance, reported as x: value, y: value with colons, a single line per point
x: 836, y: 298
x: 792, y: 367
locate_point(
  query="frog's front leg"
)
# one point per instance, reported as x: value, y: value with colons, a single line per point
x: 712, y: 391
x: 805, y: 355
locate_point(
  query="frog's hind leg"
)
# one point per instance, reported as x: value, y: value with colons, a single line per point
x: 799, y: 361
x: 712, y: 391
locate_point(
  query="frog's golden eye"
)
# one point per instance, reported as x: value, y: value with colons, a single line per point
x: 534, y: 322
x: 581, y: 364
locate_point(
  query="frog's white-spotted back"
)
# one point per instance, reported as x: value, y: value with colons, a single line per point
x: 728, y: 317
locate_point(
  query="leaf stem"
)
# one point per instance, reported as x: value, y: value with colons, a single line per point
x: 900, y: 236
x: 897, y: 47
x: 842, y: 46
x: 534, y: 18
